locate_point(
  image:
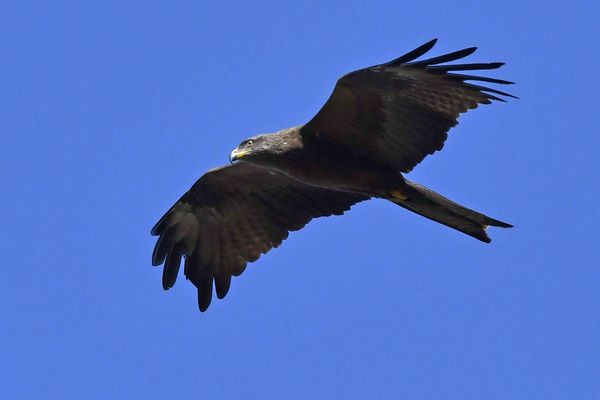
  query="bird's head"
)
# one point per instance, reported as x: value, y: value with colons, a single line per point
x: 259, y: 149
x: 249, y: 149
x: 268, y: 148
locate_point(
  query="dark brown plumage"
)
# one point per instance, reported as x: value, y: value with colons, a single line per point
x: 232, y: 215
x: 379, y: 121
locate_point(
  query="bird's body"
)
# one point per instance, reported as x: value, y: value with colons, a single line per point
x: 334, y: 170
x: 379, y: 122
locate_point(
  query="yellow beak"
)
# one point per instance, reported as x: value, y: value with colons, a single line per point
x: 237, y: 154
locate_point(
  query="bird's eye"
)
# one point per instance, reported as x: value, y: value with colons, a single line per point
x: 249, y: 143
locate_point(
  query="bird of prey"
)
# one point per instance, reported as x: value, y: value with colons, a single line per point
x: 378, y: 123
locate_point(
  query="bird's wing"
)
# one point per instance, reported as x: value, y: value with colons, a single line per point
x: 399, y: 112
x: 229, y: 217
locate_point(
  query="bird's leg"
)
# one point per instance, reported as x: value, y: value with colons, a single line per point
x: 398, y: 195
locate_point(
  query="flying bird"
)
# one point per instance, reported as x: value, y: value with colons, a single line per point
x: 378, y: 123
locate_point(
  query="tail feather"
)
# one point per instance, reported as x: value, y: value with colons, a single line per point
x: 436, y: 207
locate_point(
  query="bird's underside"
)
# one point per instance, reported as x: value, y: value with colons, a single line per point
x: 379, y: 122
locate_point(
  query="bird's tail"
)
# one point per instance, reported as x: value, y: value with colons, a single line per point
x: 434, y: 206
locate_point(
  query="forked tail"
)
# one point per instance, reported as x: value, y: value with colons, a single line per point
x: 436, y: 207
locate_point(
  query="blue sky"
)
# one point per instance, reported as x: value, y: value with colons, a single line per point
x: 111, y: 110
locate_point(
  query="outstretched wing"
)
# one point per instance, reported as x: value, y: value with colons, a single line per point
x: 229, y: 217
x: 399, y: 112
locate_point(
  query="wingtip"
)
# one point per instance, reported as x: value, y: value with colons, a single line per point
x: 429, y: 45
x: 413, y: 54
x: 156, y: 263
x: 470, y: 50
x: 167, y: 280
x: 157, y: 228
x: 159, y: 253
x: 203, y: 306
x: 204, y: 297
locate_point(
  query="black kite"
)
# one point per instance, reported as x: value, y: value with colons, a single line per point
x: 379, y: 122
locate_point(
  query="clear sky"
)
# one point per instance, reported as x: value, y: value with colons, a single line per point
x: 110, y: 110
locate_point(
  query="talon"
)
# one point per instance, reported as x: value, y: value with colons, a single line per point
x: 398, y: 195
